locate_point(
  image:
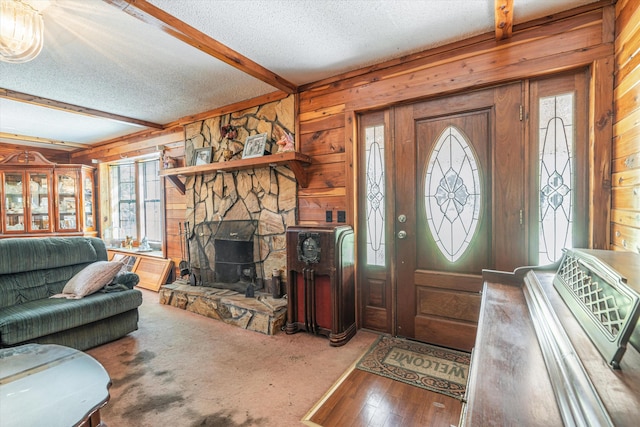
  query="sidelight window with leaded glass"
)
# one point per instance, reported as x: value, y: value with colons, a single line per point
x: 375, y: 195
x: 556, y: 180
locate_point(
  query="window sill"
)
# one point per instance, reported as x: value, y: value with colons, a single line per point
x: 135, y: 251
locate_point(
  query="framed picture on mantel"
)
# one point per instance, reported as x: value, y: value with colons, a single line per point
x: 254, y: 146
x: 202, y: 156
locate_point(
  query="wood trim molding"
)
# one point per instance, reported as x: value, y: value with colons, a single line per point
x: 27, y: 158
x: 70, y: 108
x: 601, y: 118
x: 337, y: 82
x: 503, y: 19
x: 37, y: 140
x: 153, y: 15
x: 231, y: 108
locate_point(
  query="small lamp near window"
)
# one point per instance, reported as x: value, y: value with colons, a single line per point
x: 21, y: 29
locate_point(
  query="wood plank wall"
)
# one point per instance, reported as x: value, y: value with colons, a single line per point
x: 625, y: 209
x: 328, y: 109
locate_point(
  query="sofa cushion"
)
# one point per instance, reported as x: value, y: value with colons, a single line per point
x: 90, y: 279
x: 42, y: 317
x: 20, y: 255
x: 19, y: 288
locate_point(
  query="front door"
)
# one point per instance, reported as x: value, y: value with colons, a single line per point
x: 459, y: 197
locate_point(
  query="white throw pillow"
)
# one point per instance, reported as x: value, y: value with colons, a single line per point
x: 90, y: 279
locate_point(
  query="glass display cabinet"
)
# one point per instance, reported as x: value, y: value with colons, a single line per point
x: 88, y: 209
x: 27, y: 206
x: 67, y: 200
x: 41, y: 197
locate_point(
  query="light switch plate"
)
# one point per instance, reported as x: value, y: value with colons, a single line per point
x: 329, y: 216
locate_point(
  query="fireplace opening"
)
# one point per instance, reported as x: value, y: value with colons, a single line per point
x: 233, y: 243
x: 228, y: 255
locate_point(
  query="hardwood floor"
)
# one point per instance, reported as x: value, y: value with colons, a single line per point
x: 364, y: 399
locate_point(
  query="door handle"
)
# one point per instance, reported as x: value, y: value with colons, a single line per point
x: 402, y: 234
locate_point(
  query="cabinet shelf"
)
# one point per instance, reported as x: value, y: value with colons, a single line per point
x: 296, y: 161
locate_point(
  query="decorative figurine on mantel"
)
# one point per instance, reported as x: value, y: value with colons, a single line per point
x: 229, y: 132
x: 168, y: 162
x: 286, y: 144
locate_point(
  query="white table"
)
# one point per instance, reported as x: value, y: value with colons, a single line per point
x: 51, y: 385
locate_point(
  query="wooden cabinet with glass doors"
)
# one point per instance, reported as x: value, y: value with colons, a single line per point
x: 42, y: 198
x: 27, y: 206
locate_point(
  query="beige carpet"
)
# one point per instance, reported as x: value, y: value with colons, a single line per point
x: 182, y: 369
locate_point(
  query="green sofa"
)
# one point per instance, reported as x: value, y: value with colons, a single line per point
x: 33, y: 269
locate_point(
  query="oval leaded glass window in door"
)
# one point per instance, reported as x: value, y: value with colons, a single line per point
x: 453, y: 196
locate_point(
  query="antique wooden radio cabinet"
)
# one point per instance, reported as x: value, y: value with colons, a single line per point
x: 321, y: 282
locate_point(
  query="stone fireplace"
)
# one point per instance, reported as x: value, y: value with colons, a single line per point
x: 245, y: 211
x: 265, y: 196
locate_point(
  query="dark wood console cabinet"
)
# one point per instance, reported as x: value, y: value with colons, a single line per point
x: 321, y: 282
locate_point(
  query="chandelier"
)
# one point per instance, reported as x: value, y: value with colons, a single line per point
x: 21, y: 31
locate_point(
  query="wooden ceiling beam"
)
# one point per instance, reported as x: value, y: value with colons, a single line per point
x: 70, y: 108
x: 153, y: 15
x: 503, y: 19
x: 38, y: 140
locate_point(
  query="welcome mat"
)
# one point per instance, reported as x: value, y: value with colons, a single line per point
x: 433, y: 368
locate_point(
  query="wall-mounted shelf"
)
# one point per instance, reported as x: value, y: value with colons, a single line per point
x: 296, y: 161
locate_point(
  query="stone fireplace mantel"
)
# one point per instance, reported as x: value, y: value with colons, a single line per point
x: 295, y: 160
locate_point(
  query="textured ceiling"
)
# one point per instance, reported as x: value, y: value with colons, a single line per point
x: 99, y: 57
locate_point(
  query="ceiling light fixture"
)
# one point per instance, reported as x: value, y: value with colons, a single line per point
x: 21, y: 31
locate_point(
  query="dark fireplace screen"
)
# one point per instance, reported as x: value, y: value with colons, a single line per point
x: 227, y: 254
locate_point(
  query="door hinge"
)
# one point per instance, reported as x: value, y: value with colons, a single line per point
x: 521, y: 221
x: 521, y: 112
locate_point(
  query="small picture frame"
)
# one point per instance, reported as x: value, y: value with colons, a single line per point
x: 202, y: 156
x: 254, y: 146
